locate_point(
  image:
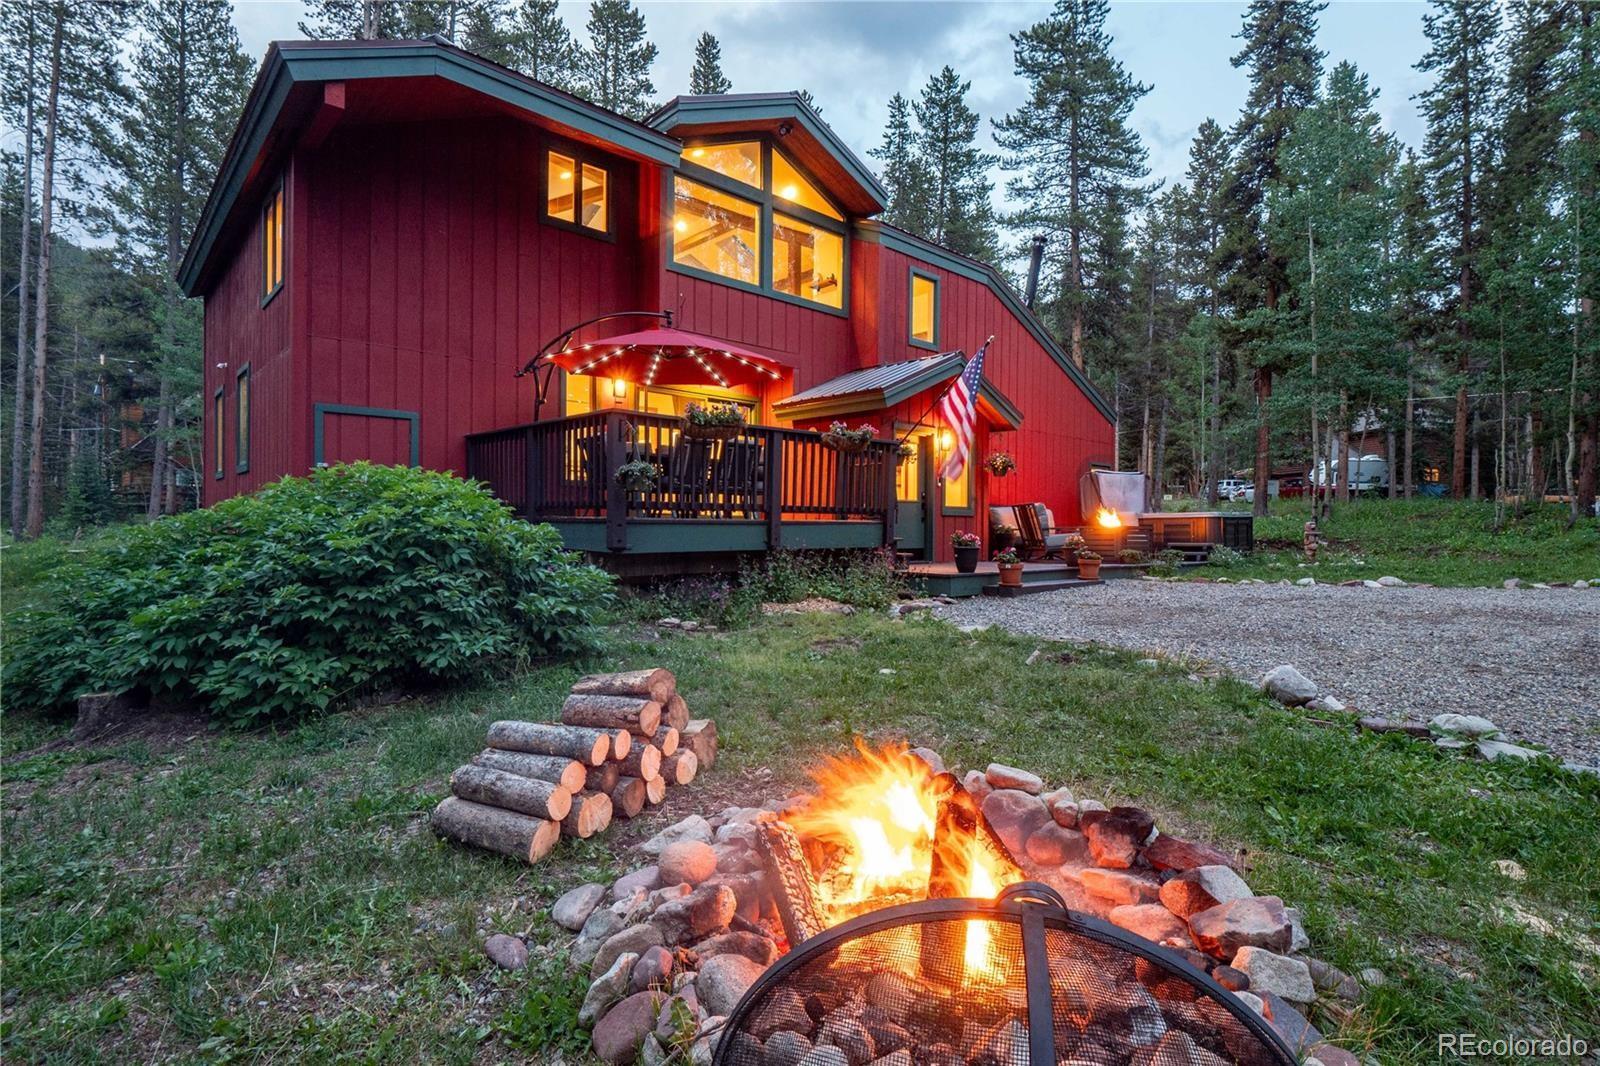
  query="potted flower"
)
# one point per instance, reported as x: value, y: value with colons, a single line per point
x: 1073, y: 545
x: 719, y: 421
x: 1002, y: 536
x: 1000, y: 464
x: 1088, y: 564
x: 904, y: 452
x: 966, y: 544
x: 841, y: 438
x: 638, y: 476
x: 1010, y: 564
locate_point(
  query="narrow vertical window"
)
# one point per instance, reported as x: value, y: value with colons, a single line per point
x: 924, y: 310
x: 241, y: 421
x: 594, y: 199
x: 958, y: 492
x: 216, y: 433
x: 272, y: 245
x: 559, y: 189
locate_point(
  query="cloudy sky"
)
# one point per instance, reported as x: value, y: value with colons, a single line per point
x: 854, y: 56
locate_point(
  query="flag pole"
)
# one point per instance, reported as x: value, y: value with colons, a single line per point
x: 939, y: 398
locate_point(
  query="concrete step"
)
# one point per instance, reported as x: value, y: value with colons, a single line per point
x: 1032, y: 587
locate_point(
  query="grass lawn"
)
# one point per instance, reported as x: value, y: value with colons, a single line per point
x: 1441, y: 542
x: 192, y: 893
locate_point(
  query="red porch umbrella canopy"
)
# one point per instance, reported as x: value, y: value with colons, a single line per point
x: 668, y: 356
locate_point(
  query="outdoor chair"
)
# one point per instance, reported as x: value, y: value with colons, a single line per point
x: 1038, y: 539
x: 688, y: 476
x: 737, y: 477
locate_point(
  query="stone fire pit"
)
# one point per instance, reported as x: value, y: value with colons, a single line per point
x: 671, y: 947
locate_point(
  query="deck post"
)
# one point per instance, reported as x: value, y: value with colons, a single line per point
x: 773, y: 489
x: 891, y: 497
x: 533, y: 480
x: 616, y: 496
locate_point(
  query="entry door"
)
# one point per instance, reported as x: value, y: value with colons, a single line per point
x: 913, y: 490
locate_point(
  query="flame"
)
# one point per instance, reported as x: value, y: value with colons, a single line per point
x: 873, y: 817
x: 1107, y: 519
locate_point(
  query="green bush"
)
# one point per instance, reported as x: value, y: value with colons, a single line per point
x: 314, y: 588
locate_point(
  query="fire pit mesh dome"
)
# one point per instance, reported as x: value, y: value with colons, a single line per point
x: 969, y: 981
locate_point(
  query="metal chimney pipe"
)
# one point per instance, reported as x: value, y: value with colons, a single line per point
x: 1035, y: 259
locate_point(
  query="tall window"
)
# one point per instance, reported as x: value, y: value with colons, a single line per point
x: 272, y: 245
x: 241, y: 421
x: 743, y: 211
x: 216, y: 433
x: 924, y: 310
x: 577, y: 191
x: 958, y: 492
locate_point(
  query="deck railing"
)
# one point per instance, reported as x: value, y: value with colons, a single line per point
x: 566, y: 469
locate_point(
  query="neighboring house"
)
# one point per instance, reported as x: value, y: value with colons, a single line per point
x: 399, y: 226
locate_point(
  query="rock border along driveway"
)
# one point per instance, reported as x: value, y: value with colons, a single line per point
x: 1527, y: 658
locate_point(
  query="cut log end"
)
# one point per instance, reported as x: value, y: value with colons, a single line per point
x: 675, y: 712
x: 512, y: 792
x: 654, y: 684
x: 666, y: 740
x: 680, y: 769
x: 643, y: 762
x: 642, y: 716
x: 590, y: 814
x: 700, y: 737
x: 557, y: 769
x: 621, y: 743
x: 655, y: 790
x: 628, y: 797
x: 494, y: 829
x: 602, y: 778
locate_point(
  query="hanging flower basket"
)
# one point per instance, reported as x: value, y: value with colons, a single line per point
x: 904, y: 453
x: 841, y: 438
x: 1000, y: 464
x: 716, y: 422
x: 638, y: 476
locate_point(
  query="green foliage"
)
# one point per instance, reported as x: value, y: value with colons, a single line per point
x: 1165, y: 563
x: 861, y: 579
x: 88, y: 500
x: 1225, y: 557
x: 544, y: 1017
x: 713, y: 414
x: 281, y: 603
x: 707, y: 78
x: 615, y: 68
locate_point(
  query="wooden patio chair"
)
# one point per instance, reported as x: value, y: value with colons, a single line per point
x: 736, y: 478
x: 1037, y: 542
x: 688, y: 476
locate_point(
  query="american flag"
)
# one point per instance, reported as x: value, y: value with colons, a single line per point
x: 959, y: 409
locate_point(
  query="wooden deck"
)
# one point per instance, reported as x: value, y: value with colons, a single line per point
x: 943, y: 579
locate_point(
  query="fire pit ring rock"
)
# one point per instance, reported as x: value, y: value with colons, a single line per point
x: 956, y: 981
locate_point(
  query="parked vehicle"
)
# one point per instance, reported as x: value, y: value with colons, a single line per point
x: 1365, y: 473
x: 1230, y: 487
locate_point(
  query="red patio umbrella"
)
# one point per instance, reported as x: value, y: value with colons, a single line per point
x: 668, y: 356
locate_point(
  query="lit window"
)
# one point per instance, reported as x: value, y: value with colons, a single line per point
x: 908, y: 475
x: 807, y: 261
x: 561, y: 178
x: 216, y: 433
x: 716, y: 232
x: 594, y: 198
x: 241, y: 421
x: 580, y: 395
x: 788, y: 183
x: 272, y: 244
x: 958, y: 492
x: 924, y: 304
x: 740, y: 161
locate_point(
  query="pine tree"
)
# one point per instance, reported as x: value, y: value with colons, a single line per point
x: 189, y: 81
x: 960, y: 215
x: 616, y: 65
x: 1580, y: 189
x: 21, y: 50
x: 1071, y: 147
x: 1285, y: 67
x: 80, y: 79
x: 1199, y: 237
x: 1457, y: 107
x: 540, y: 45
x: 485, y: 28
x: 810, y: 101
x: 903, y: 176
x: 707, y: 79
x: 345, y: 20
x: 1416, y: 286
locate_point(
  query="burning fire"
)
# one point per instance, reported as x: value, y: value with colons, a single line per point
x: 871, y: 832
x: 1107, y: 518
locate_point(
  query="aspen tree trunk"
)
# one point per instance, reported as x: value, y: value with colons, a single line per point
x: 1394, y: 488
x: 1411, y: 424
x: 1344, y: 447
x: 41, y: 311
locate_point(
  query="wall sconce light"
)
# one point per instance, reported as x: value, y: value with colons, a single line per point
x: 947, y: 440
x: 619, y: 388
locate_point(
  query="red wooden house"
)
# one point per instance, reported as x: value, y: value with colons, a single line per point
x: 399, y: 226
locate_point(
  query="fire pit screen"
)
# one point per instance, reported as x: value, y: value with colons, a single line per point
x: 1015, y: 981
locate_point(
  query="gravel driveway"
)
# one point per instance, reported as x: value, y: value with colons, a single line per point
x: 1529, y: 659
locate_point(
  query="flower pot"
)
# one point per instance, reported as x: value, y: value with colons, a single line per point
x: 967, y: 559
x: 695, y: 431
x: 1089, y: 569
x: 999, y: 542
x: 844, y: 444
x: 1011, y: 575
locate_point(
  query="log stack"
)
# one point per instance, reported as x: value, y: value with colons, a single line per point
x: 622, y: 741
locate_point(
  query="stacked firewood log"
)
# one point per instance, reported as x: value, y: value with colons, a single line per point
x: 622, y: 741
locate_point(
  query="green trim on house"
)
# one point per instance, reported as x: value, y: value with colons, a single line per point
x: 678, y: 537
x: 938, y: 371
x: 291, y: 63
x: 322, y: 409
x: 874, y: 232
x: 766, y: 107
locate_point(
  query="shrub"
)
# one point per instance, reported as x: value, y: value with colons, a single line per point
x: 1165, y: 563
x: 1224, y: 556
x: 283, y: 602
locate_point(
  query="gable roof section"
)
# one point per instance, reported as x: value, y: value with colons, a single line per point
x: 877, y: 387
x: 824, y: 152
x: 295, y: 63
x: 874, y: 232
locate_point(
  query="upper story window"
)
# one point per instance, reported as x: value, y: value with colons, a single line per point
x: 272, y: 245
x: 744, y: 212
x: 577, y: 191
x: 924, y: 310
x: 241, y: 421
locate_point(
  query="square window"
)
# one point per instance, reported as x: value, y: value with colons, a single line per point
x: 924, y: 308
x: 560, y: 187
x: 807, y: 261
x: 716, y: 232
